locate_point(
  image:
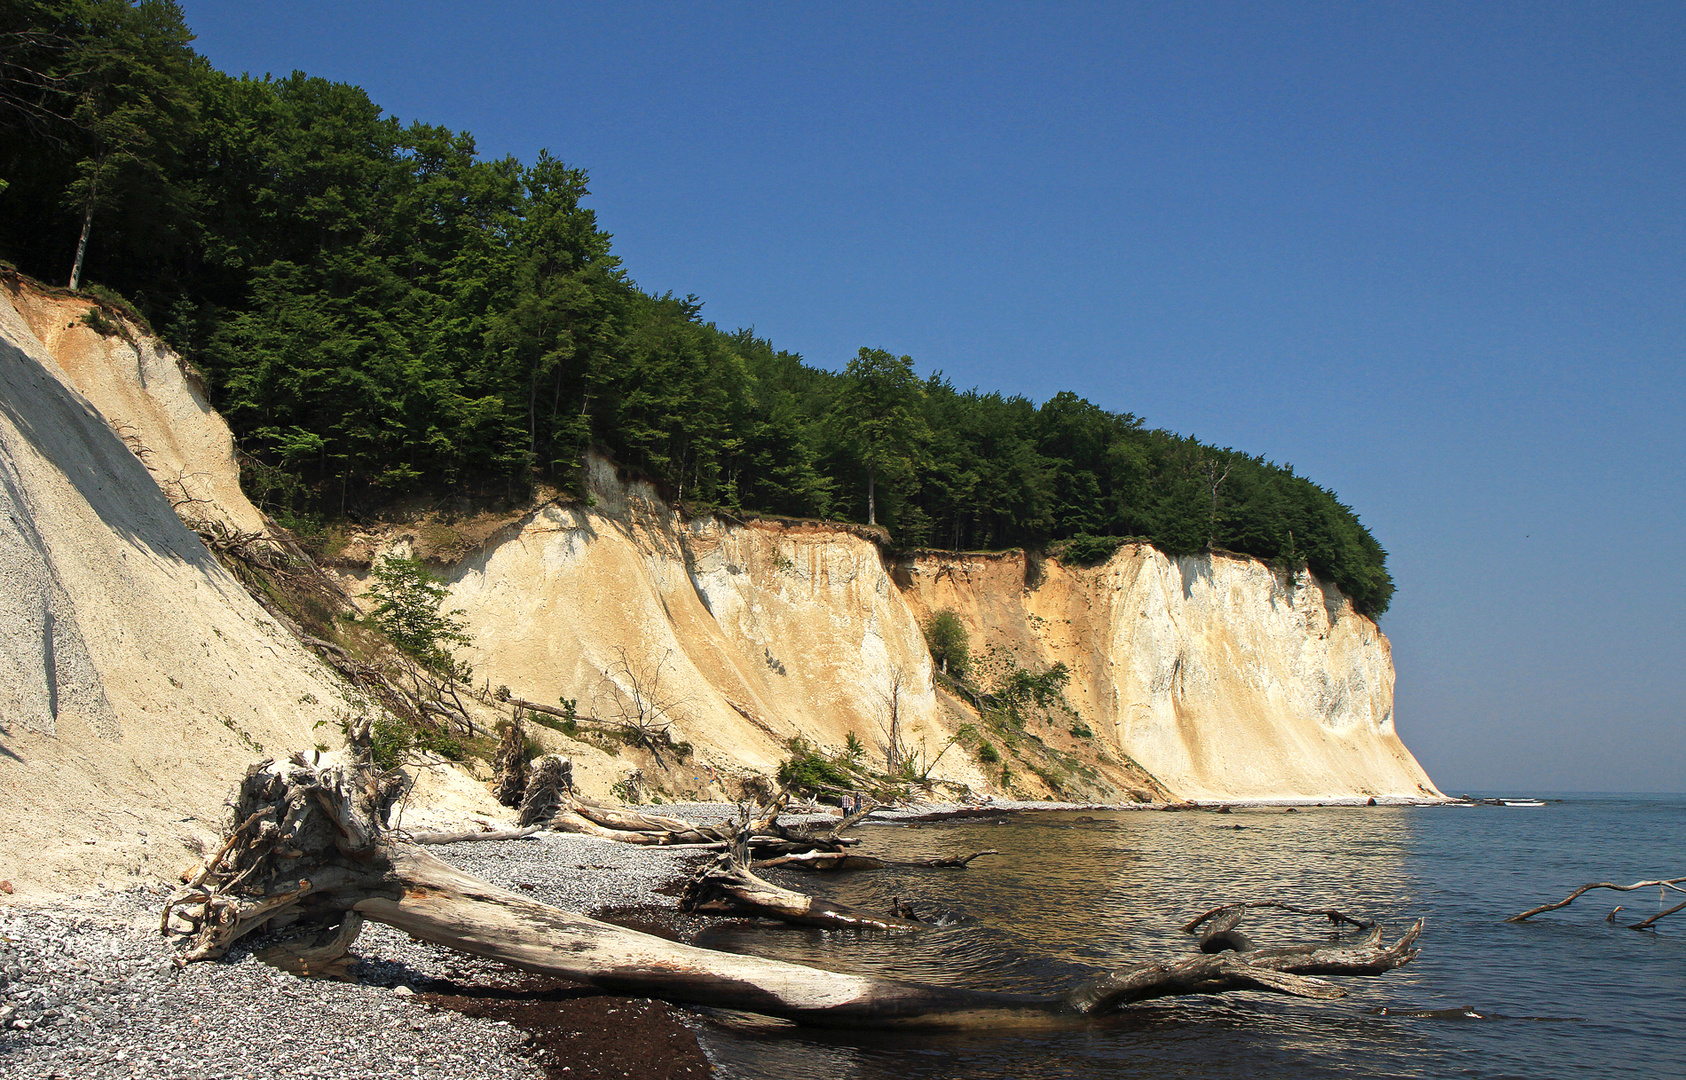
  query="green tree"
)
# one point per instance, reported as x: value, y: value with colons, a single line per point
x: 945, y: 636
x: 134, y: 109
x: 407, y: 602
x: 878, y: 407
x: 556, y: 329
x: 36, y: 89
x: 377, y: 310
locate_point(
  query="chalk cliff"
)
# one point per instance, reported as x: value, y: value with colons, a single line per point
x: 1212, y: 675
x: 137, y: 678
x: 754, y: 634
x: 1215, y: 673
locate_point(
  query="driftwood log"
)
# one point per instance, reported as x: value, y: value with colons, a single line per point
x: 1222, y: 933
x: 309, y: 844
x: 843, y: 860
x: 767, y: 838
x: 468, y: 835
x: 1661, y: 885
x: 727, y: 887
x: 1335, y: 917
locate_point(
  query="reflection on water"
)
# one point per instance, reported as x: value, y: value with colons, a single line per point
x: 1071, y: 894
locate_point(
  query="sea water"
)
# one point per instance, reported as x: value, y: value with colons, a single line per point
x: 1074, y: 893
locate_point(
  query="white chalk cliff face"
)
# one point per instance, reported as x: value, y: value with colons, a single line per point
x: 1214, y: 673
x: 137, y: 677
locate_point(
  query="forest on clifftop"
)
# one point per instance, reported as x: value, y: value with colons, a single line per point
x: 378, y: 311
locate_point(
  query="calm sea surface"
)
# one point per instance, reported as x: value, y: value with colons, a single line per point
x: 1072, y: 893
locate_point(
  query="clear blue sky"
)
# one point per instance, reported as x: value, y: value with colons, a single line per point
x: 1433, y: 255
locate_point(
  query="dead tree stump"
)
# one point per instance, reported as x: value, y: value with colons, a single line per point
x: 509, y: 780
x: 548, y: 785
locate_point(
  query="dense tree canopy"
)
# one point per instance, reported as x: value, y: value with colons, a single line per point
x: 378, y: 310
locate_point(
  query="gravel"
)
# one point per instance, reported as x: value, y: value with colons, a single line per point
x: 95, y: 993
x: 91, y: 991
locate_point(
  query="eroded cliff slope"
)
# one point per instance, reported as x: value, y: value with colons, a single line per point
x: 1212, y: 673
x: 1217, y: 674
x: 138, y: 678
x: 748, y: 635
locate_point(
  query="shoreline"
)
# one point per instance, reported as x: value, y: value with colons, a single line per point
x: 97, y: 994
x: 938, y: 811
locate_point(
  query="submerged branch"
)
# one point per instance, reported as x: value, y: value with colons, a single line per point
x: 1663, y: 883
x: 1335, y: 917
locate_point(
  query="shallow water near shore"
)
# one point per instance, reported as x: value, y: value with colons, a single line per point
x: 1072, y: 893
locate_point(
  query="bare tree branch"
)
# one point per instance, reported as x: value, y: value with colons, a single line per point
x: 1663, y: 883
x: 1331, y: 914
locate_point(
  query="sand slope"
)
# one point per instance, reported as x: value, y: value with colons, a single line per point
x: 137, y: 678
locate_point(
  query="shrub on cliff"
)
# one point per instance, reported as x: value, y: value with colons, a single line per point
x: 945, y: 636
x: 1085, y: 549
x: 407, y: 611
x: 808, y: 771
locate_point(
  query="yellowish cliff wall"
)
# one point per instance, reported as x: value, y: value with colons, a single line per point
x: 1212, y: 673
x: 1218, y: 676
x: 756, y: 633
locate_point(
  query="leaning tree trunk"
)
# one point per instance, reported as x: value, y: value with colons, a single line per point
x: 82, y: 242
x: 309, y: 844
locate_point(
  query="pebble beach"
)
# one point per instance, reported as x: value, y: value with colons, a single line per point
x: 89, y: 989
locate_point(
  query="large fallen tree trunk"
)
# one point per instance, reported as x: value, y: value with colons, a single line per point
x: 766, y: 836
x: 310, y: 845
